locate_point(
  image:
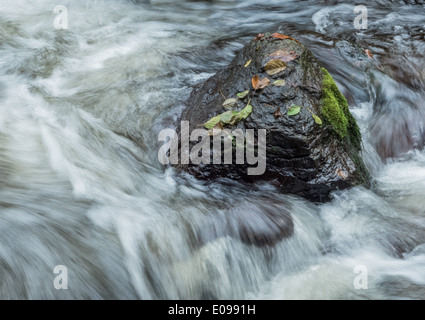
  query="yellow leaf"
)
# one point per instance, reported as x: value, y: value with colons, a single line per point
x: 274, y: 67
x: 279, y: 83
x: 247, y: 63
x: 316, y: 118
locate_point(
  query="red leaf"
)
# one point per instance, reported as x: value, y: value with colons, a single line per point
x: 282, y: 37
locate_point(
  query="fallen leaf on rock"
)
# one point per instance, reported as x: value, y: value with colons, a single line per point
x: 229, y: 103
x: 284, y: 55
x: 293, y: 110
x: 212, y: 122
x: 316, y: 118
x: 342, y: 173
x: 216, y: 130
x: 242, y: 95
x: 243, y: 114
x: 259, y: 84
x: 247, y: 63
x: 226, y: 117
x: 369, y: 54
x: 255, y: 82
x: 274, y: 67
x: 259, y: 36
x: 279, y: 83
x: 277, y: 113
x: 282, y: 37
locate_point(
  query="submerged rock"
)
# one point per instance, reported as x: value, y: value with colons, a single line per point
x: 310, y: 153
x: 263, y: 222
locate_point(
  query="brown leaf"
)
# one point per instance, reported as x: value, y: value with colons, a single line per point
x: 255, y: 81
x: 284, y: 55
x: 282, y: 37
x: 369, y: 54
x: 264, y: 83
x: 277, y: 113
x: 259, y: 36
x: 259, y: 84
x: 342, y: 173
x: 274, y: 67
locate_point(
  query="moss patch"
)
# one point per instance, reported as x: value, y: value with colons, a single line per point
x: 335, y: 111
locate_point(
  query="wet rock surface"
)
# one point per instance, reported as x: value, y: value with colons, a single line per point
x: 303, y: 157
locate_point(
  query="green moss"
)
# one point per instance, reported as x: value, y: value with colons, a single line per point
x: 336, y: 112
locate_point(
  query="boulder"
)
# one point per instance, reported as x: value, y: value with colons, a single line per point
x: 260, y: 222
x: 313, y: 143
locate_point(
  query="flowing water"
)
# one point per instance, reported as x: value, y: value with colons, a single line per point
x: 81, y: 185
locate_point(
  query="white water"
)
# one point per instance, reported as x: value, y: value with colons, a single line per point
x: 75, y: 190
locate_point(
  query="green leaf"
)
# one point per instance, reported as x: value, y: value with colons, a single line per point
x: 242, y: 95
x: 316, y: 118
x: 229, y: 103
x: 293, y: 110
x: 245, y: 112
x: 216, y: 130
x: 279, y: 83
x: 227, y: 116
x: 212, y: 122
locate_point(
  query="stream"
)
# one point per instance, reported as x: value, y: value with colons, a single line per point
x: 81, y: 185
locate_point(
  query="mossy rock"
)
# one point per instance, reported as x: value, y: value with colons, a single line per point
x: 336, y: 112
x: 303, y: 157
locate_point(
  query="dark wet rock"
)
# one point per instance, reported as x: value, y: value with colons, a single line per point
x: 303, y: 157
x: 260, y: 225
x: 263, y: 222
